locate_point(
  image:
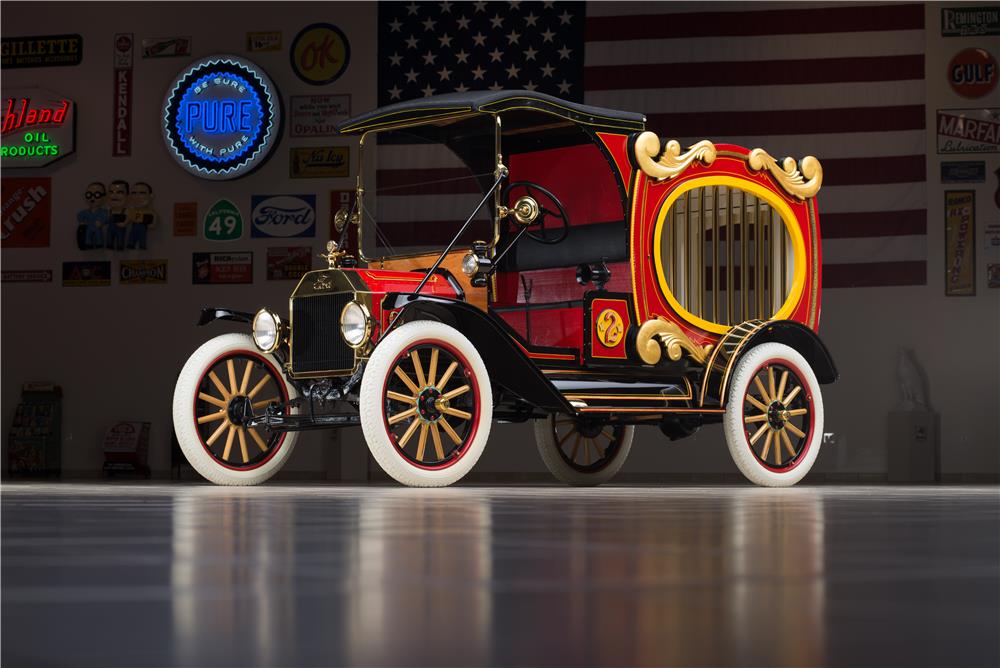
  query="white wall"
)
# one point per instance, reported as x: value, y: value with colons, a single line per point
x: 116, y: 350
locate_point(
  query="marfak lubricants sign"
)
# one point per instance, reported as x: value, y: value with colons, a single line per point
x: 38, y: 128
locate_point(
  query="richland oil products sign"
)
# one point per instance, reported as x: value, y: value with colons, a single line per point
x: 39, y: 127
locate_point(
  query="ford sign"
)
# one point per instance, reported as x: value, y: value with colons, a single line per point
x: 283, y: 215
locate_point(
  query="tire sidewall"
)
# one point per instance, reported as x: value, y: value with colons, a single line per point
x: 744, y: 458
x: 185, y: 392
x: 372, y: 408
x: 548, y: 449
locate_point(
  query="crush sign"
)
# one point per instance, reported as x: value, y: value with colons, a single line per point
x: 221, y: 117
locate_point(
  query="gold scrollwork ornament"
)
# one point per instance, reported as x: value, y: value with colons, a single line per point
x: 788, y: 175
x: 658, y: 334
x: 671, y: 162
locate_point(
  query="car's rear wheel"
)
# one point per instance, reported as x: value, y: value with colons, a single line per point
x: 774, y: 416
x: 582, y: 453
x: 224, y: 380
x: 426, y: 404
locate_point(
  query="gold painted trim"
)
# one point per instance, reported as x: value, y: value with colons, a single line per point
x: 788, y: 175
x: 659, y: 334
x: 671, y: 163
x: 615, y: 409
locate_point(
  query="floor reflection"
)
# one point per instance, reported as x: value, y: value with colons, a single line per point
x: 297, y: 576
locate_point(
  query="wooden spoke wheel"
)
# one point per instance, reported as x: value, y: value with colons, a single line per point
x: 581, y: 452
x: 221, y: 386
x: 430, y: 404
x: 237, y: 386
x: 426, y: 404
x: 774, y: 416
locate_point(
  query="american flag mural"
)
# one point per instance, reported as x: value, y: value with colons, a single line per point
x: 842, y: 82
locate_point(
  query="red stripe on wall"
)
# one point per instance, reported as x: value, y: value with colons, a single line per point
x: 873, y: 224
x: 797, y: 122
x: 874, y: 274
x: 859, y: 18
x: 754, y: 73
x: 868, y: 171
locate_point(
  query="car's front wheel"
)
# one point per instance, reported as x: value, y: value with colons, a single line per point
x: 426, y: 404
x: 222, y: 382
x: 582, y: 453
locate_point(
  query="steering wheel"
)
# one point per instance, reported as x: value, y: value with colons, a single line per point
x: 541, y: 235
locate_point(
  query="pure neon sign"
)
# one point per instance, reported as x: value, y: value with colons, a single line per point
x: 221, y: 117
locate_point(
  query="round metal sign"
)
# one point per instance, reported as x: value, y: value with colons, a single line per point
x: 221, y: 117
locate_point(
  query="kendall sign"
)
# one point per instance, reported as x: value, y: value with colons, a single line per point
x: 39, y: 127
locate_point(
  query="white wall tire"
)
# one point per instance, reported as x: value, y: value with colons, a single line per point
x: 416, y: 428
x: 220, y: 450
x: 774, y: 416
x: 565, y: 447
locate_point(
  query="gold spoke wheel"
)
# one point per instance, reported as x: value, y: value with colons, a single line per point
x: 430, y: 404
x: 234, y: 386
x: 776, y: 416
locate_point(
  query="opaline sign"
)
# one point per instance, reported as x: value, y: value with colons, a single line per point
x: 221, y: 117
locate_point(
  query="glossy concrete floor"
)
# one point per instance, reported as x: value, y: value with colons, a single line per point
x: 192, y: 575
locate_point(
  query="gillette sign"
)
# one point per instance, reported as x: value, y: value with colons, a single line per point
x: 283, y: 216
x: 39, y: 127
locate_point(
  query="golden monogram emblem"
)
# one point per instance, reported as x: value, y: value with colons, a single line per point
x: 610, y: 328
x: 322, y: 282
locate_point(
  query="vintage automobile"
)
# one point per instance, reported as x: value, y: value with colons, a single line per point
x: 526, y: 258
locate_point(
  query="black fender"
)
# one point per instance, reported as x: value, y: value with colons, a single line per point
x: 745, y: 336
x: 509, y: 368
x: 210, y: 314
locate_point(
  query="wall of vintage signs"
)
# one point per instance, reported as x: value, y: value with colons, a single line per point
x: 115, y: 245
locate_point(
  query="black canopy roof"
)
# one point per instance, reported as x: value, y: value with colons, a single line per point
x: 441, y: 107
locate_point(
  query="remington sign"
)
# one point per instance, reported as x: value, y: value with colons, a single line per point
x: 41, y: 51
x: 970, y: 21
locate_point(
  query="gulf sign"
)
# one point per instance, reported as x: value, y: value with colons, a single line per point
x: 973, y: 73
x: 221, y: 117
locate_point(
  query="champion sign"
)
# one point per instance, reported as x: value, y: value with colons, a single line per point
x: 283, y: 216
x: 221, y: 117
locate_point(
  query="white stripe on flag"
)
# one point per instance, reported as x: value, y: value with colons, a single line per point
x: 881, y: 249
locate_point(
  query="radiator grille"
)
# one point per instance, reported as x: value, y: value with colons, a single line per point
x: 317, y: 345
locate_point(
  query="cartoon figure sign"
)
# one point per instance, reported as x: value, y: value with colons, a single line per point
x: 116, y: 217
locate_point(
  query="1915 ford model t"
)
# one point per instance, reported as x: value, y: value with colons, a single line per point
x: 602, y: 280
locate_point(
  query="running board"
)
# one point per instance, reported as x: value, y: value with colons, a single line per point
x: 303, y: 422
x: 619, y: 396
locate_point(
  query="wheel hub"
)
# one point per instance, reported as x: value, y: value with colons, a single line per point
x: 238, y: 409
x: 430, y: 405
x: 777, y: 415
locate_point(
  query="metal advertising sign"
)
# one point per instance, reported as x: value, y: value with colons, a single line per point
x: 221, y: 117
x: 283, y: 216
x: 319, y: 162
x: 960, y: 242
x: 287, y: 263
x: 223, y: 222
x: 221, y: 268
x: 968, y: 130
x: 993, y: 275
x: 269, y: 40
x: 41, y: 51
x: 27, y: 276
x: 166, y: 47
x: 316, y: 115
x: 966, y: 171
x: 86, y: 274
x: 320, y: 54
x: 39, y: 127
x: 185, y: 219
x: 121, y: 144
x: 970, y: 21
x: 973, y: 73
x: 27, y: 212
x: 142, y: 272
